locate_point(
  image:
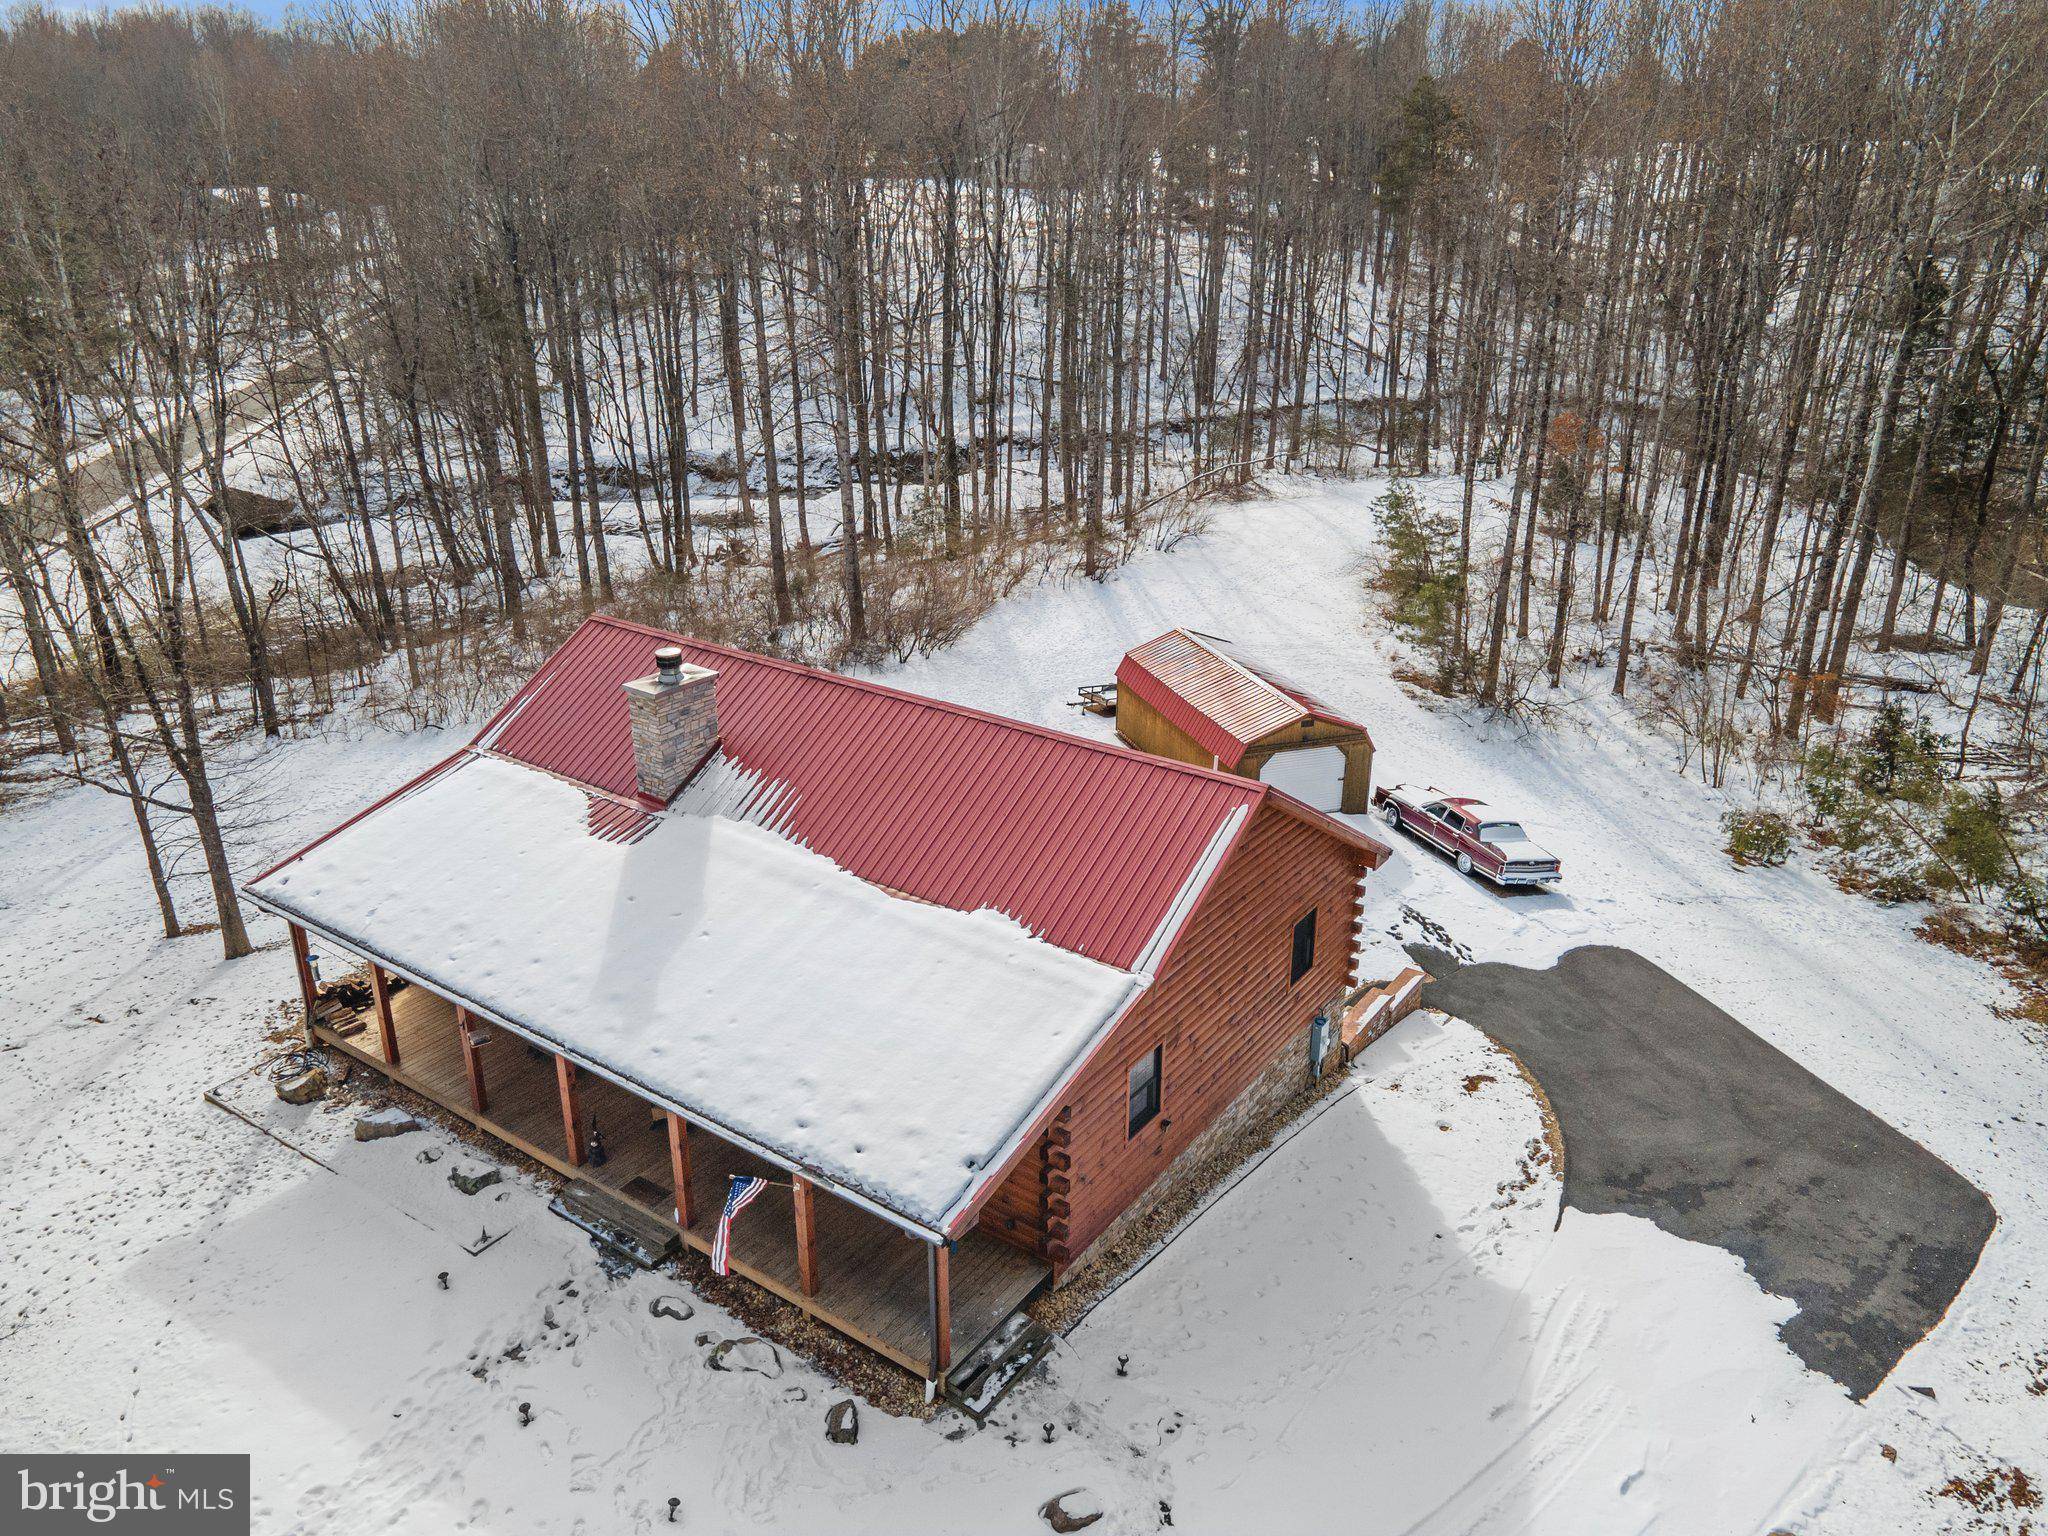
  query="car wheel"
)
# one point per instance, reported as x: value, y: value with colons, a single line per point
x: 1390, y: 813
x: 1464, y: 863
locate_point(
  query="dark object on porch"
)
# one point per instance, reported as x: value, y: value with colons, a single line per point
x: 250, y: 513
x: 351, y: 991
x: 615, y: 1225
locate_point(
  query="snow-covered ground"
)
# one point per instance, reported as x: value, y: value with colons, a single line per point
x: 1383, y: 1326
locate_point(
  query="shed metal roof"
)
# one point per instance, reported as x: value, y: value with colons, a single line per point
x: 1219, y: 696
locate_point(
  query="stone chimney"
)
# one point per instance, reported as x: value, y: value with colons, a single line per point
x: 674, y: 715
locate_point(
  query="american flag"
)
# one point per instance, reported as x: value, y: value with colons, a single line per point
x: 739, y: 1194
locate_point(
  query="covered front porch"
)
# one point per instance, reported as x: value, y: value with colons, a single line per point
x: 919, y: 1304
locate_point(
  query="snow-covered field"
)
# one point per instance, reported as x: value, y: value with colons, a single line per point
x: 1383, y: 1326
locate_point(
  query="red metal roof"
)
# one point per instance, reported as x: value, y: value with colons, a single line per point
x: 1216, y: 694
x: 1088, y: 845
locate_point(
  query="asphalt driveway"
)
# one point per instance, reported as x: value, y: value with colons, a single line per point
x: 1673, y: 1111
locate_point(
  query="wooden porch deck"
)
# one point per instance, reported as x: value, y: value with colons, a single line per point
x: 871, y: 1275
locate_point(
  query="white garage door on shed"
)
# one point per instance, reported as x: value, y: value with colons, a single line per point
x: 1313, y: 774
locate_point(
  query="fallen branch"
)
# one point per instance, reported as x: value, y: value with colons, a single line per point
x: 121, y: 792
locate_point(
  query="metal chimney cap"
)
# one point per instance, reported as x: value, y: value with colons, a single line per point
x: 668, y: 664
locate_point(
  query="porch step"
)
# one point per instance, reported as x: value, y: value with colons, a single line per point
x: 987, y: 1376
x: 614, y: 1224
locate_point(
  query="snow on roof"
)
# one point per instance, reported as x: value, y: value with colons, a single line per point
x: 892, y: 1046
x: 1091, y: 846
x: 1220, y: 697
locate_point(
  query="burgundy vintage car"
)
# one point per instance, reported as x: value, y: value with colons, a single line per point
x: 1483, y: 841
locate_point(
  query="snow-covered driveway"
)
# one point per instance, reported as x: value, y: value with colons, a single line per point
x: 1380, y: 1329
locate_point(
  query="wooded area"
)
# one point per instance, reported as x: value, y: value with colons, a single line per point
x: 840, y: 321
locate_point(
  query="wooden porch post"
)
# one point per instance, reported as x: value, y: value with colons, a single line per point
x: 387, y: 1031
x: 806, y: 1234
x: 938, y: 1276
x: 679, y: 1164
x: 572, y: 1109
x: 308, y: 993
x: 472, y: 1060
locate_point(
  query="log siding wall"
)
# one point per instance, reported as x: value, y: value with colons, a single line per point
x: 1015, y: 1213
x: 1221, y: 1011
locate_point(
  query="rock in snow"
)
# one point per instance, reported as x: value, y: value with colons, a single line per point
x: 307, y: 1086
x: 472, y: 1179
x: 842, y: 1422
x: 747, y: 1354
x: 392, y: 1121
x: 671, y: 1306
x: 1074, y: 1510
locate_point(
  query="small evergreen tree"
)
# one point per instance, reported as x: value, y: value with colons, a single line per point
x: 1419, y: 572
x: 1757, y: 837
x: 1900, y: 758
x: 1975, y: 836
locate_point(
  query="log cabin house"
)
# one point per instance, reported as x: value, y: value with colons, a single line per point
x: 1199, y: 699
x: 966, y: 988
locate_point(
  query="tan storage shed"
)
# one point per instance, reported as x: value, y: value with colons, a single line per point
x: 1199, y: 699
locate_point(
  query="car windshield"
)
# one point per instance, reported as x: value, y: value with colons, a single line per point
x: 1503, y: 832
